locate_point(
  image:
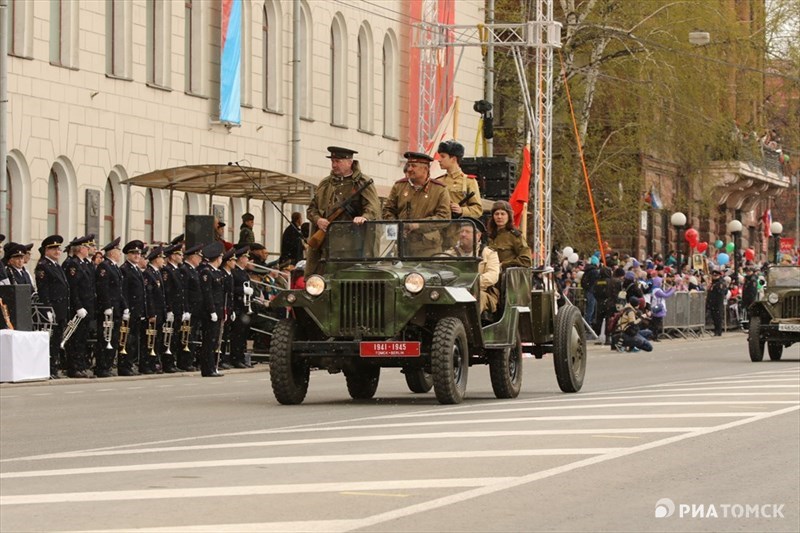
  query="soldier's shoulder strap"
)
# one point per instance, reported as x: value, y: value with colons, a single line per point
x: 437, y: 182
x: 402, y: 180
x: 515, y: 232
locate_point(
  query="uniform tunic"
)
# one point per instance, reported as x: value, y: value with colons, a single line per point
x: 427, y: 202
x: 53, y: 291
x: 212, y: 281
x: 82, y: 296
x: 459, y: 185
x: 134, y: 293
x: 512, y: 248
x: 108, y: 281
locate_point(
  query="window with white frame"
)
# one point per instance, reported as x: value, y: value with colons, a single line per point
x: 193, y: 47
x: 246, y: 75
x: 305, y: 40
x: 390, y: 91
x: 338, y: 70
x: 118, y: 38
x: 20, y: 28
x: 159, y: 43
x: 365, y: 79
x: 271, y: 32
x: 64, y: 33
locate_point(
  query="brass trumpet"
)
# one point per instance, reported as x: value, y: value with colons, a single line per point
x: 108, y: 326
x: 151, y: 337
x: 124, y: 329
x: 186, y: 332
x: 168, y: 331
x: 247, y: 298
x: 72, y: 325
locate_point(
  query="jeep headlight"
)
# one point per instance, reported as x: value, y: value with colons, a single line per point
x: 414, y: 282
x: 315, y: 285
x: 772, y: 298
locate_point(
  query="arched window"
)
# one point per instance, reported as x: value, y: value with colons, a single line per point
x: 365, y: 79
x: 390, y: 78
x: 108, y: 213
x: 305, y: 40
x: 271, y: 31
x: 52, y: 203
x: 246, y: 74
x: 149, y: 216
x: 338, y: 51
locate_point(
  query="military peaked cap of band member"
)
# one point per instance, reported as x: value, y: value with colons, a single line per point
x: 91, y: 240
x: 16, y: 250
x: 2, y: 237
x: 478, y: 224
x: 227, y: 256
x: 418, y: 157
x: 155, y: 253
x: 452, y: 148
x: 239, y: 252
x: 256, y: 246
x: 52, y: 241
x: 133, y: 247
x: 337, y: 152
x: 113, y: 244
x: 247, y: 217
x: 173, y: 249
x: 178, y: 240
x: 194, y: 250
x: 85, y: 240
x: 28, y: 248
x: 213, y: 250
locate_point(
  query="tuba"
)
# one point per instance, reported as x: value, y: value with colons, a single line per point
x: 72, y: 325
x: 186, y: 332
x: 168, y: 330
x: 124, y: 329
x: 108, y: 327
x: 151, y: 337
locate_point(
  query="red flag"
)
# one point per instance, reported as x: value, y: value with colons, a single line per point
x: 766, y: 218
x: 521, y: 192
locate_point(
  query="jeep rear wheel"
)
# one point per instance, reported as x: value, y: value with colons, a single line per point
x: 569, y: 349
x: 755, y: 343
x: 505, y: 370
x: 362, y: 380
x: 775, y: 350
x: 418, y: 380
x: 450, y: 360
x: 289, y: 375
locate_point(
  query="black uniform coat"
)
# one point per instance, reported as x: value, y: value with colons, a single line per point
x: 53, y: 287
x: 81, y: 285
x: 133, y: 289
x: 110, y: 290
x: 193, y: 292
x: 212, y: 281
x: 155, y: 299
x: 239, y: 277
x: 174, y: 292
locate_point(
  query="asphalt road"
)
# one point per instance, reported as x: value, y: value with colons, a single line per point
x: 694, y: 431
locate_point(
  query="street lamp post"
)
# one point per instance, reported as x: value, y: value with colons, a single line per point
x: 735, y: 229
x: 776, y: 228
x: 678, y: 221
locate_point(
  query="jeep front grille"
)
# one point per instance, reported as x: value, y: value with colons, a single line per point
x: 791, y: 307
x: 362, y: 308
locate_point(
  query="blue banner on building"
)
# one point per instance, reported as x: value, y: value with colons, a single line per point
x: 230, y: 75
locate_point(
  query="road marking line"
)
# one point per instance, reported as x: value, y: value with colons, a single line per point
x: 795, y: 387
x: 318, y: 526
x: 616, y: 437
x: 104, y: 390
x: 377, y: 494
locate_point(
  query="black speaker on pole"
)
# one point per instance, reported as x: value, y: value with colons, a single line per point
x: 199, y: 230
x: 17, y: 298
x: 496, y: 176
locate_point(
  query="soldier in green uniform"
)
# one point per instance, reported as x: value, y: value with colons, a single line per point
x: 342, y: 182
x: 418, y: 197
x: 505, y: 239
x: 458, y: 184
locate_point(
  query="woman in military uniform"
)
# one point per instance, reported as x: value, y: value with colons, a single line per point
x: 505, y: 239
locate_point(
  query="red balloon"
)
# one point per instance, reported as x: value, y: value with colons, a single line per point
x: 691, y: 235
x: 749, y: 254
x: 702, y: 247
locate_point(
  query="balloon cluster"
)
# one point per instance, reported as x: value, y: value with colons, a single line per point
x: 570, y: 254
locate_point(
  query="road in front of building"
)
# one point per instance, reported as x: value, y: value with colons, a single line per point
x: 693, y: 431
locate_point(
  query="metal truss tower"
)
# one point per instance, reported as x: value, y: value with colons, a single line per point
x: 542, y: 35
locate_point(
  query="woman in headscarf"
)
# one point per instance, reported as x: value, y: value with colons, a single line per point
x: 505, y: 239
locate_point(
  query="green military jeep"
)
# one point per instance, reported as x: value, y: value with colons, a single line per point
x: 402, y: 294
x: 775, y: 318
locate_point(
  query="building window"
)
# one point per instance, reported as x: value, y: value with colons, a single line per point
x: 193, y: 52
x: 149, y: 216
x: 64, y: 33
x: 118, y: 38
x: 108, y: 212
x: 272, y: 56
x: 52, y: 203
x: 304, y: 54
x: 159, y: 43
x: 390, y: 77
x: 338, y: 71
x: 20, y: 26
x: 365, y: 79
x: 246, y: 75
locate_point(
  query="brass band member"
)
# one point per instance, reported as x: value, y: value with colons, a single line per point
x: 53, y: 289
x: 193, y: 304
x: 80, y: 275
x: 134, y: 294
x: 156, y: 306
x: 110, y: 303
x: 174, y: 291
x: 240, y: 328
x: 227, y: 266
x: 212, y: 282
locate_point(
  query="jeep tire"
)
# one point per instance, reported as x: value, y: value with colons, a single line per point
x: 362, y: 380
x: 569, y: 349
x: 775, y: 350
x: 450, y: 360
x: 289, y: 375
x: 755, y: 343
x: 505, y: 369
x: 418, y: 380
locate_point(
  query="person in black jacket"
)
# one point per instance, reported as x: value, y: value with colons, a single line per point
x: 193, y: 305
x: 80, y: 275
x: 156, y: 306
x: 176, y: 301
x: 240, y: 328
x: 212, y: 282
x: 53, y: 291
x: 111, y: 306
x: 14, y: 257
x: 292, y: 249
x: 715, y: 300
x: 134, y: 294
x: 227, y: 267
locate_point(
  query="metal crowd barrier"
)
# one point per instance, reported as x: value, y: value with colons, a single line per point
x: 577, y: 297
x: 686, y: 315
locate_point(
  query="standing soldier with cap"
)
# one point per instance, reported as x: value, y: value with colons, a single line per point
x: 212, y: 281
x: 174, y: 291
x: 14, y: 257
x: 226, y: 267
x: 345, y: 178
x: 156, y: 305
x: 246, y: 235
x: 193, y: 305
x: 134, y: 294
x: 240, y: 328
x: 418, y: 197
x: 458, y: 184
x: 54, y: 292
x: 80, y: 275
x: 111, y: 306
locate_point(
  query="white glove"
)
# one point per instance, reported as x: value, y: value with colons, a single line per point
x: 81, y: 313
x: 233, y: 316
x: 186, y: 316
x: 126, y: 314
x: 170, y: 316
x: 51, y: 317
x: 248, y: 291
x: 214, y: 317
x: 108, y: 312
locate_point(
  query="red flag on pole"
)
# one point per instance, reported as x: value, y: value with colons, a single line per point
x: 519, y: 198
x: 766, y: 218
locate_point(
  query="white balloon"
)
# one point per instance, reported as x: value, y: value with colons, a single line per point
x: 573, y: 257
x: 567, y: 251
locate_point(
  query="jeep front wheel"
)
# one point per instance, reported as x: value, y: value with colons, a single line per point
x: 755, y: 343
x: 569, y: 349
x: 289, y: 375
x: 450, y: 360
x: 775, y: 350
x: 505, y: 370
x: 362, y: 380
x: 418, y: 380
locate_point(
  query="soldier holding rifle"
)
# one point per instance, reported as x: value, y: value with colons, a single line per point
x: 344, y: 180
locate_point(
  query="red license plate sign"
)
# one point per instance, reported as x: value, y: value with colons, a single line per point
x: 390, y: 349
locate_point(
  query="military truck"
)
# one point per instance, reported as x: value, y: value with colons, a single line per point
x: 402, y: 294
x: 775, y: 317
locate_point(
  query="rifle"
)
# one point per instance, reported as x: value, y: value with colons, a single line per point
x: 316, y: 240
x: 466, y: 198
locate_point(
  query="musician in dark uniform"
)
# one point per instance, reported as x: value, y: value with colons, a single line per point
x: 227, y: 266
x: 175, y: 299
x: 80, y: 275
x: 111, y: 305
x: 156, y: 312
x: 240, y: 328
x: 212, y: 281
x: 53, y: 290
x: 193, y: 305
x: 134, y: 294
x: 14, y: 257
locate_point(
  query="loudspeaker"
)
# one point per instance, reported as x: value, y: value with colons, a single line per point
x: 496, y: 176
x: 17, y: 298
x: 199, y: 230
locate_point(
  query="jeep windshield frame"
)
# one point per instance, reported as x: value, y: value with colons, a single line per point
x: 403, y: 240
x: 783, y: 277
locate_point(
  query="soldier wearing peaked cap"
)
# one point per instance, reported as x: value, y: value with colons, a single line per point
x: 458, y: 184
x: 174, y: 291
x: 13, y: 259
x: 193, y: 305
x: 212, y: 281
x: 53, y: 291
x: 246, y: 235
x: 134, y: 294
x: 156, y: 313
x: 111, y: 306
x: 240, y: 327
x: 227, y: 267
x: 345, y: 178
x: 80, y: 275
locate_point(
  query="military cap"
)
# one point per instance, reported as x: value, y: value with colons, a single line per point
x: 90, y: 240
x: 178, y: 240
x: 133, y: 247
x: 13, y: 249
x: 255, y: 247
x: 113, y: 244
x: 213, y: 250
x: 418, y: 157
x: 194, y: 250
x: 52, y: 241
x: 247, y: 217
x: 173, y: 249
x: 478, y: 224
x: 28, y: 248
x: 145, y: 251
x: 239, y: 252
x: 227, y: 256
x: 2, y: 237
x: 155, y: 253
x: 337, y: 152
x: 85, y: 240
x: 451, y: 148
